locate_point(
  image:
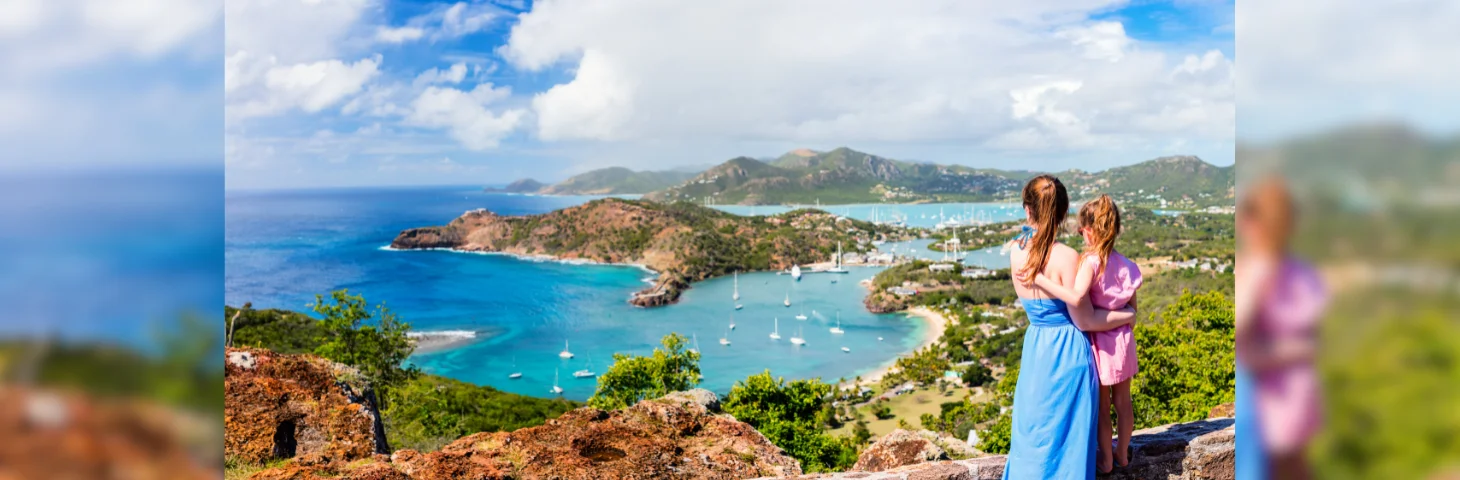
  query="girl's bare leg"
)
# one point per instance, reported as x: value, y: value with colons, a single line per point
x: 1102, y: 442
x: 1125, y: 415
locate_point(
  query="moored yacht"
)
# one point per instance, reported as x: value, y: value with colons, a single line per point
x: 565, y: 353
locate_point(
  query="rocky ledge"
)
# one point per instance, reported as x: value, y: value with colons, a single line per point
x: 298, y: 407
x: 680, y: 436
x: 1201, y: 450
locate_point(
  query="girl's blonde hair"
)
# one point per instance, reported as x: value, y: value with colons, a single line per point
x: 1269, y: 205
x: 1102, y: 218
x: 1048, y: 204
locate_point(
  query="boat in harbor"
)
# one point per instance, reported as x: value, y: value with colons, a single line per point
x: 798, y: 339
x: 556, y: 389
x: 725, y: 340
x: 788, y: 299
x: 739, y: 306
x: 515, y: 374
x: 565, y: 353
x: 845, y: 349
x: 736, y: 296
x: 586, y: 372
x: 732, y: 322
x: 837, y: 263
x: 776, y: 334
x: 801, y: 316
x: 796, y: 272
x: 838, y: 327
x: 696, y: 348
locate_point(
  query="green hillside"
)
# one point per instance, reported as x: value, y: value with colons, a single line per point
x: 842, y: 175
x: 616, y: 181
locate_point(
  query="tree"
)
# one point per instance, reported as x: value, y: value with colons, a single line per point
x: 977, y: 375
x: 787, y: 414
x: 632, y: 378
x: 348, y: 335
x: 1186, y: 361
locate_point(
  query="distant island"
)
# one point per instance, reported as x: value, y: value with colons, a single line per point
x: 844, y: 175
x: 526, y: 185
x: 682, y: 242
x: 604, y: 181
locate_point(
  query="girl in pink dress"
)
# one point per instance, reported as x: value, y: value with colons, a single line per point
x: 1109, y: 281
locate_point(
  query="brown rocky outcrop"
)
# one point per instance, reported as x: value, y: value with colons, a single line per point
x: 897, y: 449
x: 680, y: 436
x: 297, y: 407
x: 1202, y: 450
x: 684, y: 243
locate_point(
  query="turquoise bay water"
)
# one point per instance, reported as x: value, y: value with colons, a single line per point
x: 924, y: 215
x: 283, y: 247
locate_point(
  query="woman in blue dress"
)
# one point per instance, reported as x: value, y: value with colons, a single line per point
x: 1054, y: 430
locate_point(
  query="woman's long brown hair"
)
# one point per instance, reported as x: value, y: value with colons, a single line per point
x: 1048, y: 203
x: 1102, y: 218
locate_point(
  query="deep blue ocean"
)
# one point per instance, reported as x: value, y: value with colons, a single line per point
x: 283, y: 247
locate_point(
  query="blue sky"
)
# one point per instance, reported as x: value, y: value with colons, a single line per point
x: 373, y: 92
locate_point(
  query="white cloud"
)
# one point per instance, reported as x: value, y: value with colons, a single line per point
x: 398, y: 35
x: 455, y: 74
x: 465, y: 114
x: 95, y: 81
x: 1311, y: 65
x: 261, y: 87
x: 444, y: 22
x: 1100, y: 40
x: 827, y: 72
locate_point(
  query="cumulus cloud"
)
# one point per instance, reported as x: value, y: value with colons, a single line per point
x: 455, y: 74
x: 975, y: 72
x: 260, y: 86
x: 465, y: 114
x: 443, y: 22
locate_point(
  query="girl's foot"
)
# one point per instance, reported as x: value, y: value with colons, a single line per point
x: 1122, y: 456
x: 1104, y: 465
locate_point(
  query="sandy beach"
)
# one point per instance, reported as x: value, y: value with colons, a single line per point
x: 427, y: 342
x: 936, y: 323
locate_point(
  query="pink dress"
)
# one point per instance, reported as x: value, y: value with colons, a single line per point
x: 1288, y: 396
x: 1112, y: 289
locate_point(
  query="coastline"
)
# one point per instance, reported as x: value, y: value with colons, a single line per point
x: 935, y: 322
x: 436, y: 341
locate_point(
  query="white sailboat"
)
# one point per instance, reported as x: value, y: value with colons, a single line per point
x: 556, y: 389
x: 732, y: 322
x: 586, y: 372
x: 739, y: 306
x: 838, y: 327
x: 725, y: 340
x: 788, y: 299
x: 845, y: 349
x: 801, y: 316
x: 798, y: 340
x: 776, y: 334
x: 736, y: 296
x: 514, y: 375
x: 696, y: 348
x: 837, y: 262
x: 796, y: 272
x: 565, y: 353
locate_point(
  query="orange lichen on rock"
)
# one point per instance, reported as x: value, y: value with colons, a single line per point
x: 678, y: 436
x: 294, y: 406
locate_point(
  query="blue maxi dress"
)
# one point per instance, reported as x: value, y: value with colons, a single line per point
x: 1053, y: 434
x: 1251, y: 458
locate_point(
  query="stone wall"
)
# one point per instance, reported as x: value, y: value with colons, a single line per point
x: 1201, y: 450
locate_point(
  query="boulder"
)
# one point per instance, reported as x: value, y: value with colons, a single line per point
x: 677, y: 436
x: 1200, y: 450
x: 897, y: 449
x: 299, y: 407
